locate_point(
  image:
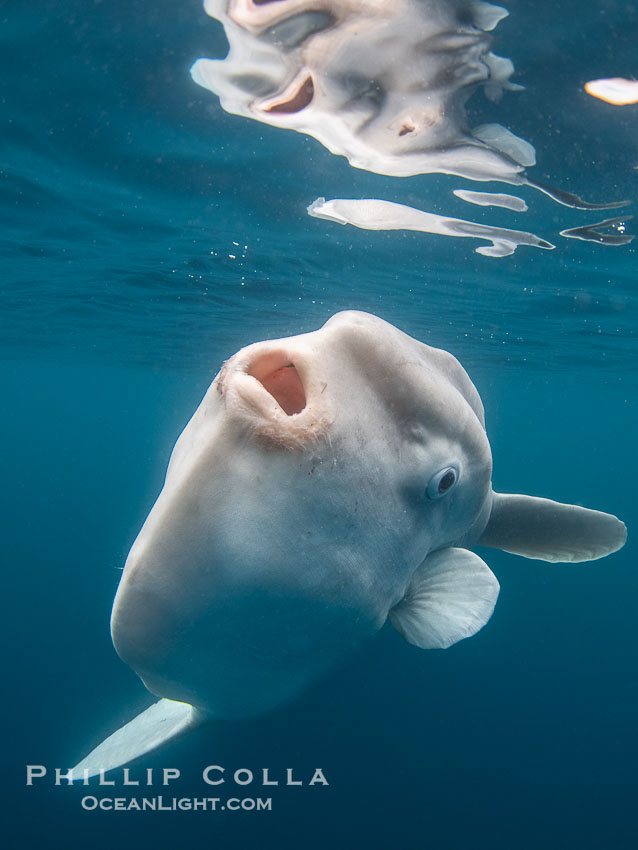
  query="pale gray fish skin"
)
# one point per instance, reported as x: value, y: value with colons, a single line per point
x: 334, y: 75
x: 383, y: 84
x: 281, y: 540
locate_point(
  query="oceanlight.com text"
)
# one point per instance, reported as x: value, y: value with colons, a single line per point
x: 173, y: 804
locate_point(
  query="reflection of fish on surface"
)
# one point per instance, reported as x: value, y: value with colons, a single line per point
x: 612, y: 231
x: 489, y: 199
x: 383, y: 84
x: 373, y: 214
x: 328, y: 482
x: 615, y: 90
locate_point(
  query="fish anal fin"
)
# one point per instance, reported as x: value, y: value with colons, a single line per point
x: 162, y: 722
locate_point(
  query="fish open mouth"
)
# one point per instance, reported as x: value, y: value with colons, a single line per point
x: 280, y: 380
x: 277, y: 393
x: 296, y: 97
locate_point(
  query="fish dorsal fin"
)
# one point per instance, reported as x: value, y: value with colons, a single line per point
x: 451, y: 596
x: 162, y: 722
x: 486, y: 15
x: 551, y: 531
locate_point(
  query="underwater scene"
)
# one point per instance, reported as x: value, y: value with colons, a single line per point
x: 364, y: 272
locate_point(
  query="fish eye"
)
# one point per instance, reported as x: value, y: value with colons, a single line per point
x: 442, y: 482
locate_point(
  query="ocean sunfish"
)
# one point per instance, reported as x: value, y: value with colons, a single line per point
x: 382, y: 83
x: 327, y: 482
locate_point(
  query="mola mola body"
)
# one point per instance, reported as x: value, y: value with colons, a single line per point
x: 328, y: 482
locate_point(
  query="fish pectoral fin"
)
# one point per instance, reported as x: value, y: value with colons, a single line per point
x: 551, y: 531
x: 451, y: 596
x: 162, y: 722
x: 499, y: 137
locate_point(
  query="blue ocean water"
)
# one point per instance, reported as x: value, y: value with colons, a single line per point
x: 146, y: 236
